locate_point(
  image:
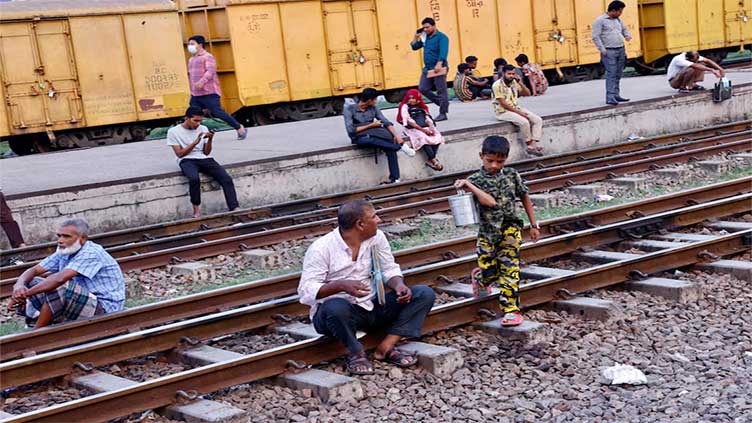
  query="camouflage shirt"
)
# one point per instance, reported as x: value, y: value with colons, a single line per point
x: 506, y: 186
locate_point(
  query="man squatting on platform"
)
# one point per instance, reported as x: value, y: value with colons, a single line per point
x: 192, y: 143
x: 85, y: 281
x: 687, y: 69
x: 336, y: 284
x: 500, y: 231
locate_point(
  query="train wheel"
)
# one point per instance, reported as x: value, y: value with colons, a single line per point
x: 138, y: 133
x: 395, y: 96
x: 23, y: 145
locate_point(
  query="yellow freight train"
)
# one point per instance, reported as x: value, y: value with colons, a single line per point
x: 88, y: 72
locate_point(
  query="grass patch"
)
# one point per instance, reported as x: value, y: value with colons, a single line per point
x: 427, y: 234
x: 12, y: 326
x: 554, y: 212
x: 211, y: 123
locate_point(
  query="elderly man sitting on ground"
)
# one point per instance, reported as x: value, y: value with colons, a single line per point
x: 84, y: 281
x: 336, y: 283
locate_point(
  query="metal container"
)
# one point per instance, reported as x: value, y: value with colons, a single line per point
x: 463, y: 209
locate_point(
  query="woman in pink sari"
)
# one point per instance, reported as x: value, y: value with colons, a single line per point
x: 420, y: 127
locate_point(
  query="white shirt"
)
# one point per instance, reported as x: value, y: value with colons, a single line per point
x: 179, y: 135
x: 678, y: 64
x: 330, y: 259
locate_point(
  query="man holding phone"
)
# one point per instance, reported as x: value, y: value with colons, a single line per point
x: 435, y: 45
x: 336, y: 283
x: 192, y: 143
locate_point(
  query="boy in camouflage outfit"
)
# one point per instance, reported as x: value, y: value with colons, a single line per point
x: 500, y: 231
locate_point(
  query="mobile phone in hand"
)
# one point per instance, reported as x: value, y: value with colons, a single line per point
x: 419, y: 31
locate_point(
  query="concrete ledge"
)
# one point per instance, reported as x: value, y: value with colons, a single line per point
x: 205, y: 411
x: 739, y: 269
x: 599, y: 256
x: 670, y: 289
x: 327, y: 386
x: 98, y: 382
x: 437, y: 360
x: 540, y: 272
x: 588, y: 308
x: 203, y: 355
x: 528, y: 332
x: 163, y: 197
x: 676, y: 236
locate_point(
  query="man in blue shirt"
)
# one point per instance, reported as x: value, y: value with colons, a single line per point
x: 435, y: 47
x: 85, y: 280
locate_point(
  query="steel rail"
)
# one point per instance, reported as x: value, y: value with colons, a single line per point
x: 137, y: 318
x: 125, y: 236
x: 111, y: 350
x: 159, y: 252
x: 162, y: 391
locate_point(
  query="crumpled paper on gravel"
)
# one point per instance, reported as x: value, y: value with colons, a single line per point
x: 622, y: 374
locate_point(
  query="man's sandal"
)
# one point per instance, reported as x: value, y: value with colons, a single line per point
x: 354, y: 361
x: 398, y: 357
x: 534, y: 150
x: 512, y: 319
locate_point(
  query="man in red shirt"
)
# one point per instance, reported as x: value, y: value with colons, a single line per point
x: 205, y: 91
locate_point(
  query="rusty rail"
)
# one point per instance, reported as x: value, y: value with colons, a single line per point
x: 160, y: 252
x: 137, y: 318
x: 161, y: 392
x: 150, y: 232
x: 111, y: 350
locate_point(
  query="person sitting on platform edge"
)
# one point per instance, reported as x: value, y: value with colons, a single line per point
x: 192, y: 143
x: 479, y: 80
x: 413, y: 115
x: 466, y: 88
x: 85, y: 281
x: 505, y: 91
x: 205, y: 90
x: 687, y: 69
x: 368, y: 127
x: 500, y: 230
x: 335, y: 283
x: 532, y: 76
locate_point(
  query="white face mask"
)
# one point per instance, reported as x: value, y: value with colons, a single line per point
x: 192, y: 48
x: 73, y: 249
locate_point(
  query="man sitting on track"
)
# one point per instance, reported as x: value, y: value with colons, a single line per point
x: 687, y: 69
x: 85, y: 281
x: 336, y: 284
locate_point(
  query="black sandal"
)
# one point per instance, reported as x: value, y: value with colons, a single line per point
x: 359, y: 360
x: 396, y: 356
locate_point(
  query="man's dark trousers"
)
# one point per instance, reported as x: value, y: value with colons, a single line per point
x: 441, y: 98
x: 191, y: 168
x: 211, y: 102
x: 614, y: 62
x: 338, y: 318
x: 389, y: 147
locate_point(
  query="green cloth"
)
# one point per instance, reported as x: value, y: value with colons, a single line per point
x: 506, y: 186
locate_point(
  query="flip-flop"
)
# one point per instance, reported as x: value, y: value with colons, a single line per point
x: 396, y: 356
x: 359, y: 360
x: 512, y: 319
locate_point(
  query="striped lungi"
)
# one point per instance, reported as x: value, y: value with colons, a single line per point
x: 70, y: 301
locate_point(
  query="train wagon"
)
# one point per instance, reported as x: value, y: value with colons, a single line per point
x: 294, y: 60
x: 670, y: 27
x: 88, y: 72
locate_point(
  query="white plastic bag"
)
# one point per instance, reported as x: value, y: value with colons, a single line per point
x: 621, y: 374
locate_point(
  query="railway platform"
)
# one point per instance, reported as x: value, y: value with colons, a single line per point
x: 140, y: 183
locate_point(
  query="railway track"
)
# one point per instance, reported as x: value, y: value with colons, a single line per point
x: 151, y: 232
x: 191, y: 306
x: 162, y: 391
x: 228, y: 239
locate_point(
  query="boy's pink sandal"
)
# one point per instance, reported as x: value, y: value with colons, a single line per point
x: 512, y: 319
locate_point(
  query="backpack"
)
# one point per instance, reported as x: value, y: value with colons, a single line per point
x: 722, y: 90
x: 419, y: 116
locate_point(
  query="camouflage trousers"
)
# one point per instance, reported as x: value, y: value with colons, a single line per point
x: 499, y: 262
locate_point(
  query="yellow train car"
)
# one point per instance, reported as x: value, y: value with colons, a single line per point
x: 298, y: 58
x: 86, y: 72
x: 714, y: 27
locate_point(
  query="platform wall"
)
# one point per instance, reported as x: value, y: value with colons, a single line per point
x: 144, y: 201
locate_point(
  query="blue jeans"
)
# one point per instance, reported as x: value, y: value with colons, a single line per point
x: 340, y: 319
x: 614, y: 62
x: 211, y: 102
